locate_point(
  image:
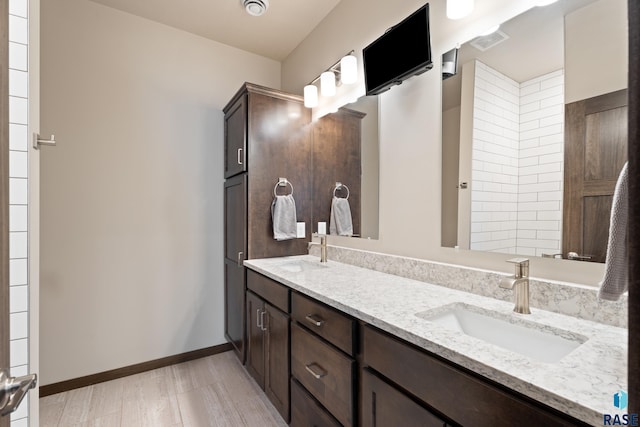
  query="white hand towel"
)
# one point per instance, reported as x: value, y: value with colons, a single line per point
x: 283, y: 214
x: 340, y: 222
x: 615, y: 281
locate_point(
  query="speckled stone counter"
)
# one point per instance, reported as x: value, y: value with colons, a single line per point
x: 581, y: 384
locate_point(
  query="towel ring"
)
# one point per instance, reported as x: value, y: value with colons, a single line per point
x: 338, y: 186
x: 282, y: 182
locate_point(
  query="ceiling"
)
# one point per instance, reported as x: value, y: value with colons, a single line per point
x: 535, y: 47
x: 273, y: 35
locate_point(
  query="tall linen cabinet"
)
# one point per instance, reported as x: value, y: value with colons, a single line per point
x: 267, y: 137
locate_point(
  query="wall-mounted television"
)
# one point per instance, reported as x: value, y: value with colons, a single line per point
x: 401, y: 52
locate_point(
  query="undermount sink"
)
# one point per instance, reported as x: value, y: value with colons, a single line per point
x: 298, y: 266
x: 540, y: 342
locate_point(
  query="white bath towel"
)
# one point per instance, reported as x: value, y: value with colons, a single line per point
x: 340, y: 222
x: 615, y: 281
x: 283, y: 214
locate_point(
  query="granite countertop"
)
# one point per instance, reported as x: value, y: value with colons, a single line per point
x: 581, y: 384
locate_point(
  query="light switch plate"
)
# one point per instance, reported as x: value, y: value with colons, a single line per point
x: 322, y: 228
x: 301, y: 232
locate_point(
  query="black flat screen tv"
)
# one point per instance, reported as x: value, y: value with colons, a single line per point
x: 403, y: 51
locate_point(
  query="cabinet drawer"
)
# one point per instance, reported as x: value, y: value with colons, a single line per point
x: 385, y: 406
x: 465, y: 399
x: 272, y: 291
x: 306, y: 412
x: 324, y: 371
x: 330, y: 324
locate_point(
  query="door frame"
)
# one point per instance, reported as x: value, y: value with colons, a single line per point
x: 4, y: 193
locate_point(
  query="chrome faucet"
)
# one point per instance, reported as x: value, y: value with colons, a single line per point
x: 520, y: 283
x: 323, y: 248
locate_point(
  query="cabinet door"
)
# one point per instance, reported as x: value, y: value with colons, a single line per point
x: 276, y: 383
x: 235, y: 219
x: 235, y: 138
x: 255, y: 338
x: 234, y: 294
x: 384, y: 406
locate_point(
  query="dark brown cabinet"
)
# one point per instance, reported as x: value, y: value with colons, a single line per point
x: 268, y: 342
x: 266, y: 137
x: 322, y: 356
x: 385, y: 406
x: 235, y: 243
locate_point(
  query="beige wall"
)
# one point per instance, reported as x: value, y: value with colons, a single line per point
x: 410, y: 130
x: 131, y: 239
x: 602, y: 27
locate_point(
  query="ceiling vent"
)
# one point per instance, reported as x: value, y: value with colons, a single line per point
x: 255, y: 7
x: 487, y: 42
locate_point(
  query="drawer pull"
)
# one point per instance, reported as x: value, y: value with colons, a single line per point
x: 314, y: 320
x: 314, y: 372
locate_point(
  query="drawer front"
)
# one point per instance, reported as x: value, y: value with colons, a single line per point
x: 270, y: 290
x: 465, y: 399
x: 385, y: 406
x: 306, y: 412
x: 330, y: 324
x: 325, y: 372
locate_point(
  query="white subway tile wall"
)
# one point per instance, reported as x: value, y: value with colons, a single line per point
x: 18, y: 197
x: 517, y: 167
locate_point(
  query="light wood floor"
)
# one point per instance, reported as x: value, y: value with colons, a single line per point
x: 213, y: 391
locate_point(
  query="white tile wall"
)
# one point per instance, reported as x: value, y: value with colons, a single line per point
x: 18, y: 196
x: 517, y: 167
x: 542, y: 158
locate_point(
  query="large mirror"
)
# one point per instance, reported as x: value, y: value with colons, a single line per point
x: 346, y: 166
x: 534, y: 132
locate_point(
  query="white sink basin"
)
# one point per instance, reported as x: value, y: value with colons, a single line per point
x: 298, y: 266
x: 509, y: 331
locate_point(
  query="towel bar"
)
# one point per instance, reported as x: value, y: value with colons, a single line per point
x: 282, y: 182
x: 338, y: 186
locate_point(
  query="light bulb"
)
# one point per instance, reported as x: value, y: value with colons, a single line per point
x: 458, y: 9
x: 310, y: 96
x: 328, y: 83
x: 348, y: 69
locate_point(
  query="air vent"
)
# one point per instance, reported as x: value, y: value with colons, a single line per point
x: 487, y: 42
x: 255, y: 7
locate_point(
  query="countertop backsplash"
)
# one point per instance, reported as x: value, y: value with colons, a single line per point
x: 560, y: 297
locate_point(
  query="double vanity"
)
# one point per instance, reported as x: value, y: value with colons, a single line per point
x: 355, y: 346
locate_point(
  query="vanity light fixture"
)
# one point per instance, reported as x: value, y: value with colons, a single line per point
x: 345, y: 71
x: 311, y: 96
x: 458, y: 9
x: 328, y: 83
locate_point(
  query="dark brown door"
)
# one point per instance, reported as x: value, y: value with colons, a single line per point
x: 235, y: 138
x: 595, y: 152
x: 384, y: 406
x: 255, y: 337
x: 276, y: 382
x: 4, y: 193
x: 235, y: 243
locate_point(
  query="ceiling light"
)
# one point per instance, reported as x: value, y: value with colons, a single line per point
x: 310, y: 96
x: 348, y: 69
x: 545, y: 2
x: 458, y: 9
x: 328, y: 83
x: 255, y: 7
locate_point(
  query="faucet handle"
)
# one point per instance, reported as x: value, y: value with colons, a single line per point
x: 522, y: 266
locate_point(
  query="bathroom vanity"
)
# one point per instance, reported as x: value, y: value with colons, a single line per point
x: 366, y: 349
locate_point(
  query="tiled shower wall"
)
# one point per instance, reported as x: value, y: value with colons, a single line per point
x: 18, y: 196
x: 517, y: 163
x: 494, y: 168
